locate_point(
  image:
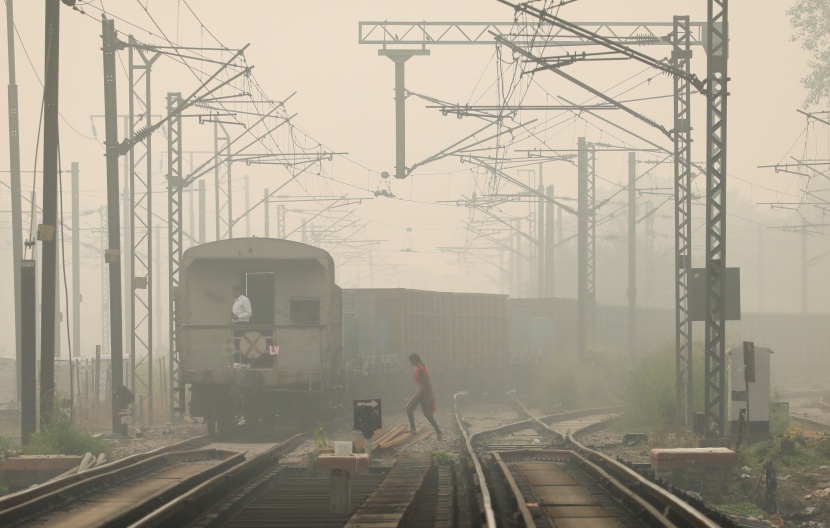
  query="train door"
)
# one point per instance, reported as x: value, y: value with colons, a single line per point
x: 259, y: 288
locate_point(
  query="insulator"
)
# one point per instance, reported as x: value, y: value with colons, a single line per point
x: 644, y: 39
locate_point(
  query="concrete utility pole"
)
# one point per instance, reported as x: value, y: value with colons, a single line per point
x: 113, y: 255
x: 28, y: 367
x: 582, y: 245
x: 202, y: 215
x: 632, y: 257
x: 246, y: 182
x: 76, y: 261
x: 540, y: 237
x: 761, y: 267
x: 804, y: 272
x: 649, y: 236
x: 520, y: 291
x: 549, y: 244
x: 14, y: 173
x: 47, y: 231
x: 266, y: 208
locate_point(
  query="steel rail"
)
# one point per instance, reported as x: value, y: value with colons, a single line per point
x: 66, y: 496
x: 204, y: 497
x: 675, y: 509
x: 484, y: 491
x: 59, y: 483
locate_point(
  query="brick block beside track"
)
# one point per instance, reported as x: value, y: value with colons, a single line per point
x: 703, y: 470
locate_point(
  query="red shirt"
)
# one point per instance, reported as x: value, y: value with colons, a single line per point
x: 422, y: 379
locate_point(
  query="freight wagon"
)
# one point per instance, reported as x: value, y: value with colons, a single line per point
x: 462, y: 337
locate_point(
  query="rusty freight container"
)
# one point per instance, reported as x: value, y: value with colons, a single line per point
x: 462, y: 337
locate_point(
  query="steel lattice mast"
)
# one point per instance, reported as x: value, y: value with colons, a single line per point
x: 141, y: 213
x: 682, y: 135
x: 174, y: 244
x: 717, y: 52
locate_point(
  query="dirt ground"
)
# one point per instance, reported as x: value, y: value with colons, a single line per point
x: 803, y: 493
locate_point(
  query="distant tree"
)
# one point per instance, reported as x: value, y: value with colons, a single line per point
x: 811, y: 22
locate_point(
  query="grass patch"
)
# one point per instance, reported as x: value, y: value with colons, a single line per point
x: 321, y: 443
x: 743, y: 509
x: 442, y: 458
x: 61, y: 439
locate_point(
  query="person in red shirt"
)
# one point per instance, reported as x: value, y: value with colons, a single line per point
x: 424, y: 397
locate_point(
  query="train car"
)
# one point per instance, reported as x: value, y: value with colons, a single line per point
x: 462, y: 337
x: 286, y: 360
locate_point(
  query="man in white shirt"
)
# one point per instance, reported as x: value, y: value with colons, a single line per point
x: 241, y: 311
x: 240, y: 315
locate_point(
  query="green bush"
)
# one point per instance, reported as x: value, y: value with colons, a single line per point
x: 649, y: 392
x: 569, y: 382
x: 61, y: 439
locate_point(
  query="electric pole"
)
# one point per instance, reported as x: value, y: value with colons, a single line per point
x: 76, y: 262
x: 632, y: 256
x: 113, y: 255
x: 47, y: 231
x: 14, y: 173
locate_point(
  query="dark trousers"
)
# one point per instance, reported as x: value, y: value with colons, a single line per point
x: 239, y: 331
x: 426, y: 408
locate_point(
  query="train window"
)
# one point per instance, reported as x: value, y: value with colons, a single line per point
x: 305, y: 310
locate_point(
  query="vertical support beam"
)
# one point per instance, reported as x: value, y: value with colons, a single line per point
x: 141, y: 228
x: 632, y: 257
x: 267, y: 209
x: 582, y: 245
x: 592, y: 244
x: 202, y: 216
x: 540, y: 237
x: 804, y: 272
x: 512, y: 264
x: 76, y: 261
x: 113, y: 254
x: 681, y: 58
x: 761, y: 268
x: 399, y: 57
x: 281, y: 221
x: 16, y: 198
x: 549, y: 244
x: 400, y: 117
x: 520, y: 289
x: 105, y: 285
x: 174, y: 246
x: 649, y: 256
x: 48, y: 235
x: 28, y: 366
x: 717, y: 51
x: 246, y: 182
x: 222, y: 181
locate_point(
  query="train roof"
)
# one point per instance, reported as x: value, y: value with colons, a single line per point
x: 255, y: 248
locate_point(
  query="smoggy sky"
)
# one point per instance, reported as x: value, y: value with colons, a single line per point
x: 345, y: 100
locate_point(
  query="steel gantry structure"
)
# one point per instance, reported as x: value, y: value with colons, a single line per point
x: 715, y: 88
x: 175, y: 185
x: 682, y: 138
x: 400, y: 41
x: 717, y: 57
x: 141, y: 225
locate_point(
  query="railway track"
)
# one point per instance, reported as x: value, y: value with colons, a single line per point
x: 27, y: 495
x: 124, y: 495
x: 264, y: 492
x: 569, y: 487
